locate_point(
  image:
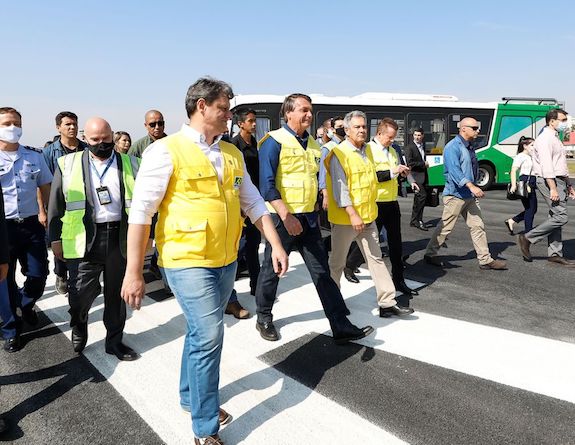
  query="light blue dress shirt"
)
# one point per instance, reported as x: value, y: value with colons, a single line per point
x: 20, y: 176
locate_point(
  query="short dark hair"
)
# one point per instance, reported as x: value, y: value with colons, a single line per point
x: 61, y: 115
x: 387, y: 122
x: 289, y: 103
x: 336, y: 118
x: 242, y: 114
x: 523, y: 141
x: 554, y: 114
x: 206, y: 88
x: 419, y: 130
x: 10, y: 110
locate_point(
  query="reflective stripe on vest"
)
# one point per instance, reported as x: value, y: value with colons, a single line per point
x: 199, y: 220
x: 361, y: 182
x: 73, y: 189
x: 296, y: 176
x: 386, y: 191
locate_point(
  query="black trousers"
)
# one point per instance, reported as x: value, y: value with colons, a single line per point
x: 310, y: 245
x: 418, y: 205
x: 388, y: 216
x: 84, y: 283
x: 250, y: 251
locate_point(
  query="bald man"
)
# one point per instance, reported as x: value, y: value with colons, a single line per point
x: 154, y: 123
x: 460, y: 195
x: 88, y: 222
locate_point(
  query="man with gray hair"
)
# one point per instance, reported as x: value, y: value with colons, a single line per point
x: 352, y: 210
x: 200, y: 185
x: 288, y: 182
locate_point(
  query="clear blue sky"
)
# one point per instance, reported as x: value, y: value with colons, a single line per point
x: 117, y: 59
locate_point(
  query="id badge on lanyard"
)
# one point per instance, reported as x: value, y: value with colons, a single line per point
x: 104, y: 196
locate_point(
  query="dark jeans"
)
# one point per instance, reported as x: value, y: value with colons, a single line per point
x: 309, y: 244
x: 529, y: 204
x: 28, y: 246
x: 418, y: 205
x: 250, y: 251
x: 84, y: 284
x: 388, y: 216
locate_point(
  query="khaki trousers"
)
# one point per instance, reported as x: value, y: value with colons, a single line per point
x: 368, y: 241
x: 470, y: 211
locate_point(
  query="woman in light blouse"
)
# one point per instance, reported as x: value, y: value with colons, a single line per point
x: 524, y: 164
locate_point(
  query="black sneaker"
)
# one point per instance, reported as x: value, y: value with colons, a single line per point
x: 61, y: 286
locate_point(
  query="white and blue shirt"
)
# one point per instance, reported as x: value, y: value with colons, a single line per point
x: 21, y: 173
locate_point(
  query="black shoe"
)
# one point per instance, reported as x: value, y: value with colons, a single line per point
x: 3, y: 426
x: 433, y: 260
x: 12, y: 344
x: 398, y: 311
x: 419, y: 225
x: 61, y: 286
x: 351, y: 334
x: 30, y: 316
x: 123, y: 352
x: 267, y: 331
x: 79, y: 337
x: 402, y: 287
x: 356, y: 270
x: 350, y: 276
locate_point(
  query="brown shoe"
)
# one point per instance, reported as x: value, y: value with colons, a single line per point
x: 236, y: 309
x: 524, y: 245
x: 210, y: 440
x: 494, y: 265
x: 224, y: 417
x: 561, y: 260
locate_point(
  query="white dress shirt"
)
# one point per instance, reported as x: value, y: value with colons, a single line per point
x: 108, y: 212
x: 157, y: 168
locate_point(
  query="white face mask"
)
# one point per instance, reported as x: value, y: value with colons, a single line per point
x: 11, y: 134
x: 562, y: 126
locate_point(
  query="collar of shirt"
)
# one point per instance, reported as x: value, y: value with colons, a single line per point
x: 349, y: 144
x: 242, y: 144
x: 302, y: 140
x: 466, y: 143
x: 212, y: 151
x: 12, y: 156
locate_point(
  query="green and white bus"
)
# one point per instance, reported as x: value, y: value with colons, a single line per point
x: 502, y: 123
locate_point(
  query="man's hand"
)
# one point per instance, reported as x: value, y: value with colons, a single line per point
x: 357, y: 223
x: 43, y: 218
x: 280, y: 260
x: 512, y: 188
x: 133, y: 290
x: 57, y: 250
x: 476, y: 191
x: 415, y: 187
x: 426, y: 164
x: 571, y: 192
x: 3, y: 271
x: 324, y: 200
x: 554, y: 195
x: 292, y: 225
x: 401, y: 169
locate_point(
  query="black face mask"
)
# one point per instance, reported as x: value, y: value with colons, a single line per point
x: 102, y: 150
x: 340, y: 132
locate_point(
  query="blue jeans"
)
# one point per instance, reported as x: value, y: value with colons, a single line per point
x: 203, y: 295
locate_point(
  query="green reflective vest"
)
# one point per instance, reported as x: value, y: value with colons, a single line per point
x: 73, y: 229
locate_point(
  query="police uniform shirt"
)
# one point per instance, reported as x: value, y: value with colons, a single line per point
x: 112, y: 211
x: 21, y: 173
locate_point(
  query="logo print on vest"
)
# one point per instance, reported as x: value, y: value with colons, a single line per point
x: 238, y: 182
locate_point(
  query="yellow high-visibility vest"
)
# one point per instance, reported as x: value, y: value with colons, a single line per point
x: 73, y: 229
x: 296, y: 176
x: 361, y: 182
x: 199, y: 221
x: 386, y: 191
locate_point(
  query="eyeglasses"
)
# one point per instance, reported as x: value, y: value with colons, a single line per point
x: 474, y: 128
x: 158, y: 123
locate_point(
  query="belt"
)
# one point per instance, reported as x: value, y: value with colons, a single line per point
x: 22, y: 220
x: 108, y: 225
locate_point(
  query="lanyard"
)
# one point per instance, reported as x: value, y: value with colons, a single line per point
x: 101, y: 176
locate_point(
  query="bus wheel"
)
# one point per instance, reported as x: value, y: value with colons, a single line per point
x: 486, y: 176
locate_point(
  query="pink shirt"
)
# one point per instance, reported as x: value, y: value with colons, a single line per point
x: 549, y: 158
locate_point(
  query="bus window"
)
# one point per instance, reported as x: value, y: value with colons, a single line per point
x: 539, y: 124
x: 262, y: 127
x: 513, y: 127
x: 434, y: 128
x: 484, y: 123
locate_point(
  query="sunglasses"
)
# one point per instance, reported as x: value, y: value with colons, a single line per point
x: 474, y: 128
x: 159, y: 123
